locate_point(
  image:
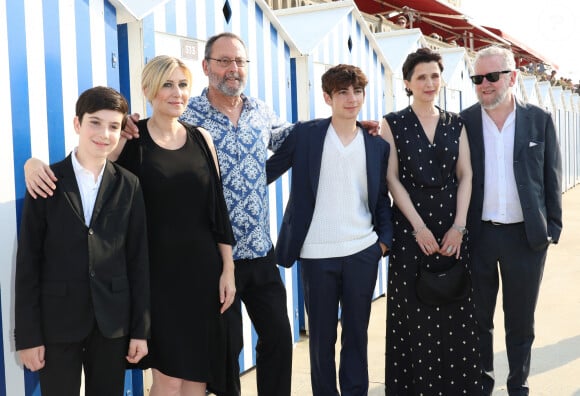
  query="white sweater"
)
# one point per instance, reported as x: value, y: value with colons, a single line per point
x: 342, y: 223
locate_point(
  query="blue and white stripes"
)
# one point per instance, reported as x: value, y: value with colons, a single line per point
x: 53, y: 49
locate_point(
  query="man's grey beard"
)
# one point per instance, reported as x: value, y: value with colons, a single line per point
x: 496, y: 102
x: 230, y: 91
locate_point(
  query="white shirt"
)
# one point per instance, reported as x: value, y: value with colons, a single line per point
x: 501, y: 202
x: 341, y: 223
x: 88, y: 187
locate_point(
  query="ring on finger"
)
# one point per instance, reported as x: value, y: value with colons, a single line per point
x: 450, y: 249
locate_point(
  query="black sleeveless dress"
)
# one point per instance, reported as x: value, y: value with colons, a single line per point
x: 186, y: 218
x: 430, y: 350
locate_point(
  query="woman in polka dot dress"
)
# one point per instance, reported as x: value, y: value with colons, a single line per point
x: 431, y: 350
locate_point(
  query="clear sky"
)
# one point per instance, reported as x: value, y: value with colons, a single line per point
x: 551, y: 27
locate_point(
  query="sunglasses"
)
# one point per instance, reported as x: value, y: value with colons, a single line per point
x: 491, y: 77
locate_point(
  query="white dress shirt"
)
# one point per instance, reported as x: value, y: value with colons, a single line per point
x: 88, y: 187
x: 501, y: 202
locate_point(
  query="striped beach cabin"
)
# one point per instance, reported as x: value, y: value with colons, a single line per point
x: 52, y: 50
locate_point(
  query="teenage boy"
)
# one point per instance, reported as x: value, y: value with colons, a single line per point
x: 82, y: 270
x: 338, y: 224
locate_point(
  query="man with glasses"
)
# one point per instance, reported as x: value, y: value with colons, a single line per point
x: 243, y: 129
x: 515, y: 211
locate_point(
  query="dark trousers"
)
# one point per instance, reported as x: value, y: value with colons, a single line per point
x: 504, y: 249
x: 259, y: 286
x: 348, y: 281
x: 103, y: 361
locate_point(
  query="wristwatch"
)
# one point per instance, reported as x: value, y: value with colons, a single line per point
x: 460, y: 229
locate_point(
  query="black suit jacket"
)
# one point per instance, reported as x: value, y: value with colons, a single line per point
x: 302, y: 151
x: 69, y: 275
x: 537, y: 169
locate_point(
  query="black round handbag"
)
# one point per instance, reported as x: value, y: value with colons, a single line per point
x: 442, y: 280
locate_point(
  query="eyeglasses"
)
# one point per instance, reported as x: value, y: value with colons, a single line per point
x: 226, y: 62
x: 491, y: 77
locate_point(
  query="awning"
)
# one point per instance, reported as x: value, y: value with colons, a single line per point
x: 526, y: 55
x: 441, y: 20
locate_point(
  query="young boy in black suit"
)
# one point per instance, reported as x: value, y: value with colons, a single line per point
x: 82, y: 270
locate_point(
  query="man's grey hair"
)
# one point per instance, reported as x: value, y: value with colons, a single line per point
x: 509, y: 61
x: 213, y: 39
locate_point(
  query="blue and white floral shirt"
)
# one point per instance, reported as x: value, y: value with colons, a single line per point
x: 242, y: 153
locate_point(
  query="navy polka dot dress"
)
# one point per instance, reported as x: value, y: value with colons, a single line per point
x: 430, y: 350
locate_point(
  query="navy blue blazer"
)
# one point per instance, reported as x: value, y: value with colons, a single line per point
x: 302, y: 151
x: 537, y: 170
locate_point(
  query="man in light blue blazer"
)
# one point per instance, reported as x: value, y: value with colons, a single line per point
x: 515, y: 211
x: 337, y: 223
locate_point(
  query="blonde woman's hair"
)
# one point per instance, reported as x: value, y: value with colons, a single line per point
x: 157, y: 71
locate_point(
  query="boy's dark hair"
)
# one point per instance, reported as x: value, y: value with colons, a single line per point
x: 422, y: 55
x: 341, y: 77
x: 101, y: 98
